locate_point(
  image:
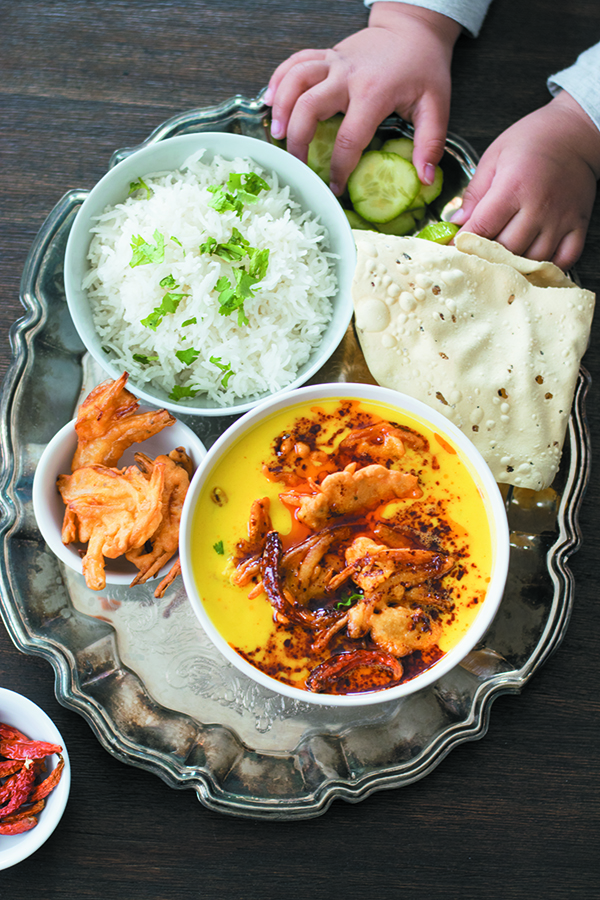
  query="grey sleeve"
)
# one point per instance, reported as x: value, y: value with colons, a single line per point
x: 468, y: 13
x: 582, y: 82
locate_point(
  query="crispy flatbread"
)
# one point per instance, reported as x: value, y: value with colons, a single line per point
x: 492, y: 340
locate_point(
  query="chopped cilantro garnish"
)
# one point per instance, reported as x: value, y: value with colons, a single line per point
x: 223, y: 202
x: 348, y: 600
x: 219, y: 548
x: 144, y: 253
x: 179, y: 392
x: 224, y: 367
x: 247, y: 186
x: 140, y: 185
x: 143, y: 359
x: 259, y: 263
x: 169, y: 304
x: 187, y: 322
x: 232, y: 298
x: 240, y: 188
x: 187, y: 357
x: 231, y: 251
x: 175, y: 240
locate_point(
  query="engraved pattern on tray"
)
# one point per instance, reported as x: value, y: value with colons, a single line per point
x: 152, y: 687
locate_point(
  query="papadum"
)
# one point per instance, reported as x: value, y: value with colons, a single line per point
x: 492, y: 340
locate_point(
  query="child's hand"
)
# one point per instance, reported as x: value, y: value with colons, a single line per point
x: 534, y: 188
x: 400, y: 63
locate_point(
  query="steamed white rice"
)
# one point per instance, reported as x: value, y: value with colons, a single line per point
x: 287, y: 315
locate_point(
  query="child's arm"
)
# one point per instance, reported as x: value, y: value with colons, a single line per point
x: 400, y: 63
x: 534, y: 188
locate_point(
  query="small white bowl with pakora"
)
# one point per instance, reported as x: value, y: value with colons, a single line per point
x: 109, y: 489
x: 215, y: 268
x: 344, y: 544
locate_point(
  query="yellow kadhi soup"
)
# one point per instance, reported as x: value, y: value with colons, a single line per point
x: 451, y: 515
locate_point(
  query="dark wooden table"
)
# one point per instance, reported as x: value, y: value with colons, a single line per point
x: 514, y: 815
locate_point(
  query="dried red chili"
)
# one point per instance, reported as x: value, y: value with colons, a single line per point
x: 20, y: 789
x: 49, y: 783
x: 22, y: 798
x: 17, y: 826
x: 27, y: 749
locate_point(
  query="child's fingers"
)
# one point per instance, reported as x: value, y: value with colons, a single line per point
x: 522, y: 233
x: 283, y: 68
x: 476, y: 190
x: 324, y: 100
x: 356, y: 131
x: 291, y: 94
x: 431, y: 125
x: 569, y: 249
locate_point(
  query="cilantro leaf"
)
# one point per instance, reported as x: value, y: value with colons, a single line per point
x: 224, y: 367
x: 259, y: 262
x: 169, y: 304
x: 231, y: 251
x: 143, y: 359
x: 144, y: 252
x: 191, y: 321
x: 219, y: 548
x: 223, y: 202
x: 179, y: 393
x: 208, y: 245
x: 140, y: 185
x: 240, y: 188
x: 187, y: 357
x: 348, y: 600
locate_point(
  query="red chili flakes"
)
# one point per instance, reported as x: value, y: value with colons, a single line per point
x: 22, y: 793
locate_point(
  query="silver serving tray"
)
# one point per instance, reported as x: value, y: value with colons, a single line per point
x: 152, y: 687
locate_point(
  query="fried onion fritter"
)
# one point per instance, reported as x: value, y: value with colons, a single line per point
x: 114, y: 511
x: 165, y: 540
x: 108, y: 423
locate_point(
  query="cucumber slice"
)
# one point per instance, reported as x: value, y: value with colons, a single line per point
x: 382, y: 186
x: 402, y: 146
x: 321, y: 146
x: 402, y: 224
x: 357, y: 221
x: 429, y: 192
x: 405, y: 147
x: 418, y: 212
x: 439, y: 232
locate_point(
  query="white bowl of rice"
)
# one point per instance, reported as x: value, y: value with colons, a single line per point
x: 214, y: 268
